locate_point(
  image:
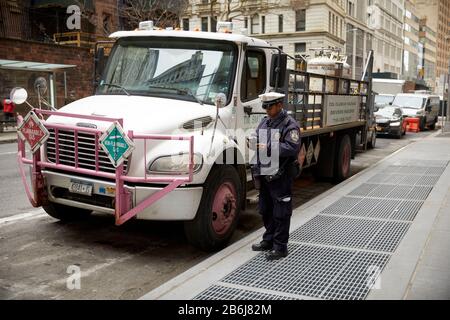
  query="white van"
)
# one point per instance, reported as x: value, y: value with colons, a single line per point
x: 419, y: 105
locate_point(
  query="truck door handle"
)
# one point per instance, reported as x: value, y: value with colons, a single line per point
x: 248, y: 110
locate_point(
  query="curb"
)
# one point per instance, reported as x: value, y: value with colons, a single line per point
x: 6, y: 141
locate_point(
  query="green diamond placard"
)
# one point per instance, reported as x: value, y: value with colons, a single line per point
x: 116, y: 144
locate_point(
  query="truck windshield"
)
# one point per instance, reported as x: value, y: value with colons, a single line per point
x: 409, y: 102
x: 174, y: 68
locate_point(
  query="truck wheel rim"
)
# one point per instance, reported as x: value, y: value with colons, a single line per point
x: 346, y: 161
x: 224, y: 208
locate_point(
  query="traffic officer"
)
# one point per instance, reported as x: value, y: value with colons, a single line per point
x: 275, y: 198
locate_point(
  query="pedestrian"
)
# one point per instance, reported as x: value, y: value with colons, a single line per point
x: 8, y: 109
x: 275, y: 182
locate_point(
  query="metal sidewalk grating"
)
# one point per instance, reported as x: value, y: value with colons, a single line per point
x: 218, y: 292
x: 312, y: 228
x: 309, y: 274
x: 358, y: 277
x: 363, y: 190
x: 424, y: 163
x: 406, y: 210
x: 337, y: 253
x: 342, y: 205
x: 354, y: 233
x: 257, y: 267
x: 389, y: 236
x: 349, y: 233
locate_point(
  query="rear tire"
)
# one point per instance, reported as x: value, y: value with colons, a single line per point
x: 66, y: 213
x: 344, y: 155
x: 219, y: 210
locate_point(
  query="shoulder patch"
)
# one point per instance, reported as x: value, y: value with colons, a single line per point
x: 295, y: 136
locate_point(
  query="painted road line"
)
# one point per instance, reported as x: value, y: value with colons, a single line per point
x: 36, y: 214
x: 8, y: 153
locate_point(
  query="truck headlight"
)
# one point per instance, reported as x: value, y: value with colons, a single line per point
x: 175, y: 164
x: 395, y: 124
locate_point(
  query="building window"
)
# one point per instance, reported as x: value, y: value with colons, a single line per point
x: 280, y: 23
x: 213, y: 24
x: 300, y: 20
x: 204, y: 23
x: 300, y: 47
x: 329, y: 22
x: 186, y: 24
x: 263, y: 24
x: 254, y: 24
x: 332, y: 23
x: 106, y: 23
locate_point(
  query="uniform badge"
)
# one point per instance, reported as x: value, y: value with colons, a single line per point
x: 295, y: 136
x: 277, y: 136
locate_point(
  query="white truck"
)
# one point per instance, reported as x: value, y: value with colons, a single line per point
x: 177, y: 107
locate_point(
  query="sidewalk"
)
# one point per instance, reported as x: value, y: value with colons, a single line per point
x: 382, y: 234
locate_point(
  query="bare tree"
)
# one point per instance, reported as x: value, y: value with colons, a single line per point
x: 163, y: 13
x: 227, y: 10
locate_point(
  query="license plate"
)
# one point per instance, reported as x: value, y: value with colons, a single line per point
x: 81, y: 188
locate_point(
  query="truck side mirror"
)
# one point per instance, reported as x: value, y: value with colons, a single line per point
x: 278, y: 70
x: 18, y: 95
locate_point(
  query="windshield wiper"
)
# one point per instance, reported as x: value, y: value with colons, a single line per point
x: 116, y: 86
x: 184, y: 92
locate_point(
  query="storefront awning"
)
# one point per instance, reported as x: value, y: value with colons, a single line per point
x: 84, y: 4
x: 33, y: 66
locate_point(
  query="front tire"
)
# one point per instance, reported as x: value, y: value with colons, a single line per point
x: 218, y: 213
x: 66, y: 213
x: 433, y: 126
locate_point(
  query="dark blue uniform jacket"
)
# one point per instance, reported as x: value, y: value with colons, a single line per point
x: 284, y: 129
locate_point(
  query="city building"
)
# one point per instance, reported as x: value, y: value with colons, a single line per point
x: 412, y: 69
x: 359, y: 37
x: 388, y: 35
x: 47, y: 20
x: 437, y: 13
x: 298, y: 26
x: 427, y: 36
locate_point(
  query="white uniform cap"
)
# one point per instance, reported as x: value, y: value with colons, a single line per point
x: 271, y: 97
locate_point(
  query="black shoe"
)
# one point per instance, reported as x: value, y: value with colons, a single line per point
x: 262, y: 246
x: 276, y: 255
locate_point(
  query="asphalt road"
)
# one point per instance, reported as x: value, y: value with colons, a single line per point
x: 37, y: 253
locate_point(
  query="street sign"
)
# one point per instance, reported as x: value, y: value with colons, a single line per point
x: 33, y: 131
x: 116, y: 144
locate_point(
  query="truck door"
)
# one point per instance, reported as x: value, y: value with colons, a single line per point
x: 430, y: 110
x: 253, y: 83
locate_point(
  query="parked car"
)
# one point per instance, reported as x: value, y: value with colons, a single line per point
x: 383, y: 100
x: 423, y: 106
x: 391, y: 121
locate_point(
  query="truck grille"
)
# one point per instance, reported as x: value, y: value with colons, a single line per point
x: 86, y: 151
